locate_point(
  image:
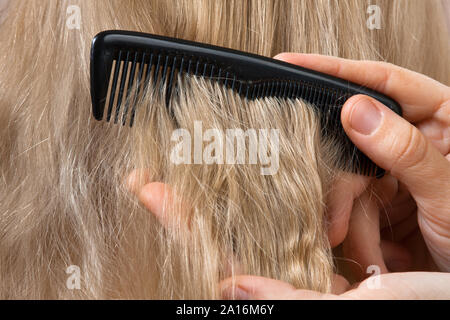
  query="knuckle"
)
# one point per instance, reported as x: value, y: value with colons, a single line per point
x: 337, y: 69
x: 411, y: 150
x: 387, y: 66
x: 389, y: 73
x: 434, y: 223
x: 444, y: 110
x: 385, y: 70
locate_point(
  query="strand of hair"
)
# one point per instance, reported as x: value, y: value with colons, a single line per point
x: 113, y: 87
x: 130, y: 86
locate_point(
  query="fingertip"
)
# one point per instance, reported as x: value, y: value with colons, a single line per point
x: 230, y: 291
x: 284, y: 56
x: 160, y: 200
x: 340, y: 203
x: 361, y: 247
x: 255, y: 288
x: 346, y: 111
x: 300, y: 59
x: 359, y: 113
x: 151, y: 196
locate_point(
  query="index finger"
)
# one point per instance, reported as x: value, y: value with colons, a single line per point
x: 419, y: 95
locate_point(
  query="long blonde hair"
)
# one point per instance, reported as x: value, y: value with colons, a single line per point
x: 63, y: 201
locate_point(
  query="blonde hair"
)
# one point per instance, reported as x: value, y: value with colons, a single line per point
x: 63, y: 200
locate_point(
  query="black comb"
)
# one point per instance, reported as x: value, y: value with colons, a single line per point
x: 121, y: 59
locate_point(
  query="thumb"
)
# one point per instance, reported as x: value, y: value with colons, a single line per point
x: 399, y: 147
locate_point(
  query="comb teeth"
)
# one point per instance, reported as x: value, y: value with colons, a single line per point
x: 160, y: 70
x: 131, y: 75
x: 126, y: 65
x: 132, y: 72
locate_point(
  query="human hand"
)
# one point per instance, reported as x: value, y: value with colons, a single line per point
x: 416, y: 159
x: 417, y: 156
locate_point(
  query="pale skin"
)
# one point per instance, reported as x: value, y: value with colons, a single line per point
x: 400, y: 223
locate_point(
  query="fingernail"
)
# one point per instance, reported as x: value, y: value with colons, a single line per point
x: 365, y: 116
x: 278, y: 56
x: 235, y: 293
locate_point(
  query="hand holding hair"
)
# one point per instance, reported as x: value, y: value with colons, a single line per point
x: 414, y: 195
x: 416, y: 153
